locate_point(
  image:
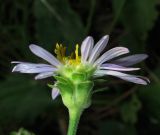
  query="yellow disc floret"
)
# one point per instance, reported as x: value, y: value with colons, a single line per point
x: 73, y: 59
x: 60, y: 51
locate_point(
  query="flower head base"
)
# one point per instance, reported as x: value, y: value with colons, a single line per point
x: 74, y: 73
x: 75, y: 85
x: 74, y: 79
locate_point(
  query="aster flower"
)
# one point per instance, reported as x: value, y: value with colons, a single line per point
x: 104, y: 64
x: 74, y: 74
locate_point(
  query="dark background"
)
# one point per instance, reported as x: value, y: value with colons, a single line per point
x: 123, y: 109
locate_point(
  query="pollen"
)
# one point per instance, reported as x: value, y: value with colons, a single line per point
x: 73, y: 59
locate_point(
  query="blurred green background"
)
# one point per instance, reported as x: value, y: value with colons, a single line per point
x: 123, y: 109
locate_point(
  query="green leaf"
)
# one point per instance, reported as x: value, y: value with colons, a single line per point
x: 57, y: 22
x: 22, y: 131
x: 129, y: 110
x: 112, y: 127
x: 100, y: 90
x: 137, y: 17
x: 23, y: 98
x: 150, y: 97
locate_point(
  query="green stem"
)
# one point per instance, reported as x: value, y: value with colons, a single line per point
x: 74, y: 117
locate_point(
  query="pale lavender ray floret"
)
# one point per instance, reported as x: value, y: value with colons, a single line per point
x: 55, y: 92
x: 33, y: 68
x: 98, y: 48
x: 42, y: 53
x: 86, y: 48
x: 117, y: 67
x: 130, y: 60
x: 43, y: 70
x: 112, y: 53
x: 44, y: 75
x: 106, y: 66
x: 126, y: 77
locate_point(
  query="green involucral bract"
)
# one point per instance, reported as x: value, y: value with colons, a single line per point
x: 75, y: 85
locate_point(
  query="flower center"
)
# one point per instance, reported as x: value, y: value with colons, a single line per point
x: 74, y: 59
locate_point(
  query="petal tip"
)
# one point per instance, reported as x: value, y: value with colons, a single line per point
x: 14, y: 69
x: 31, y: 46
x: 145, y: 56
x: 145, y: 83
x: 88, y: 37
x: 106, y: 37
x: 55, y: 93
